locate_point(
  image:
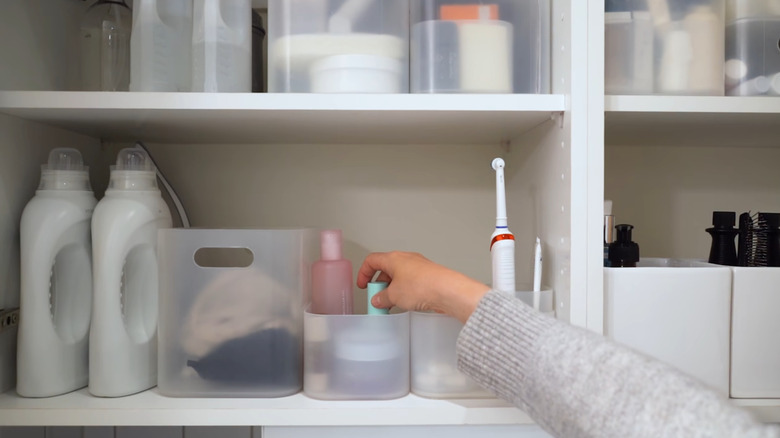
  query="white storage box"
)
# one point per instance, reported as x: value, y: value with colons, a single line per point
x: 356, y: 357
x: 231, y: 311
x: 435, y: 371
x: 686, y: 42
x: 338, y: 46
x: 677, y: 311
x: 460, y: 46
x: 755, y: 325
x: 752, y: 53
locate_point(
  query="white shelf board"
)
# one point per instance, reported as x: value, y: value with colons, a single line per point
x: 765, y: 410
x: 149, y: 408
x: 692, y: 121
x: 286, y: 118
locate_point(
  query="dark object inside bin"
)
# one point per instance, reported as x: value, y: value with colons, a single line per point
x: 271, y: 357
x: 723, y: 251
x: 623, y: 252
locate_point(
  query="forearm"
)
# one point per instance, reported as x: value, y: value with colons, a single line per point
x: 575, y: 383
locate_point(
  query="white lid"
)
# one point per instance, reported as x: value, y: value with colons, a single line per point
x: 65, y: 170
x: 330, y: 244
x: 134, y: 170
x: 367, y: 62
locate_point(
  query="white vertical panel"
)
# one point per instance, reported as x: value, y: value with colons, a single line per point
x: 24, y: 146
x: 22, y: 432
x: 64, y: 432
x: 217, y: 432
x: 98, y: 432
x: 518, y: 431
x: 149, y: 432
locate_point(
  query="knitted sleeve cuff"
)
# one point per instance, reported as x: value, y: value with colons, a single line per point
x: 490, y: 355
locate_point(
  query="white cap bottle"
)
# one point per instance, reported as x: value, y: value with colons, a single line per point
x: 123, y: 338
x: 56, y: 279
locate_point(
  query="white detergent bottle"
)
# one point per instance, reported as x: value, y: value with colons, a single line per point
x: 56, y: 280
x: 160, y: 46
x: 123, y: 336
x: 222, y: 46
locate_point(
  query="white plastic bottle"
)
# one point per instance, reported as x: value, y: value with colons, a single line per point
x: 123, y: 337
x: 160, y: 45
x: 56, y: 279
x: 222, y: 46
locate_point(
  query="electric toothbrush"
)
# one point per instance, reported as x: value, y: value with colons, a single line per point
x: 502, y: 242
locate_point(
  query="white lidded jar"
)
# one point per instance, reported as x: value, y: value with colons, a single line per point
x: 160, y: 47
x: 56, y: 279
x: 123, y: 337
x: 222, y: 46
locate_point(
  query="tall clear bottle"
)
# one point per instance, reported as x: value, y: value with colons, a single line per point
x: 56, y: 279
x: 123, y: 336
x: 222, y: 46
x: 331, y: 278
x: 105, y: 46
x: 160, y: 46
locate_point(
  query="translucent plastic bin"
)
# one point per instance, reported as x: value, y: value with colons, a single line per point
x: 544, y: 298
x: 231, y: 311
x: 677, y: 311
x: 685, y: 38
x: 459, y: 46
x: 755, y: 352
x: 752, y: 51
x: 356, y: 357
x: 338, y: 46
x: 435, y: 371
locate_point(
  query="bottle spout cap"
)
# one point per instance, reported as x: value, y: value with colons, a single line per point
x: 330, y: 244
x: 134, y: 170
x: 65, y: 170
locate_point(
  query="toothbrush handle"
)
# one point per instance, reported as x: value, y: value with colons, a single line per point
x: 503, y: 255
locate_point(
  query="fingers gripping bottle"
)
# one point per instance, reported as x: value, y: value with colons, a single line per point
x: 123, y: 337
x: 56, y: 279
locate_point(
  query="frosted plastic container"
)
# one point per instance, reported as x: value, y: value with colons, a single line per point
x: 231, y: 311
x: 356, y: 357
x: 687, y: 39
x: 755, y: 352
x: 338, y: 46
x: 435, y: 371
x: 544, y: 298
x: 458, y: 46
x: 222, y: 46
x: 161, y: 46
x: 677, y: 311
x: 752, y: 51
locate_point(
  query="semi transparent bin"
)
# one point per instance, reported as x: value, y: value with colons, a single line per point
x: 435, y: 371
x: 231, y: 311
x: 755, y: 325
x: 338, y: 46
x: 752, y: 48
x: 677, y: 311
x: 459, y: 46
x: 542, y: 300
x: 678, y: 43
x: 356, y: 357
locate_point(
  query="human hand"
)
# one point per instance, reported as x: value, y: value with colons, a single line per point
x: 416, y: 283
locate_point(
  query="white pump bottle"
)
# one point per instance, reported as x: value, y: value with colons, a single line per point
x: 123, y: 337
x: 56, y: 279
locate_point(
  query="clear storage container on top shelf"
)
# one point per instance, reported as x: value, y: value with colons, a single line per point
x: 338, y: 46
x: 752, y: 47
x: 499, y: 46
x: 664, y: 47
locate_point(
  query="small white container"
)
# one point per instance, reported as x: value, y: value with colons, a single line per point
x: 755, y: 352
x: 542, y: 300
x: 356, y: 74
x: 678, y: 311
x: 356, y: 357
x: 435, y: 371
x: 303, y: 34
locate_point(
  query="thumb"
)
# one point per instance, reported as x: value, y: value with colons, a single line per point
x: 381, y: 300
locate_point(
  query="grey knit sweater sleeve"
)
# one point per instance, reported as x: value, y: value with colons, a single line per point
x: 575, y: 383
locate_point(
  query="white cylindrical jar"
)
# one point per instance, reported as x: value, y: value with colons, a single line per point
x: 56, y: 279
x: 123, y: 338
